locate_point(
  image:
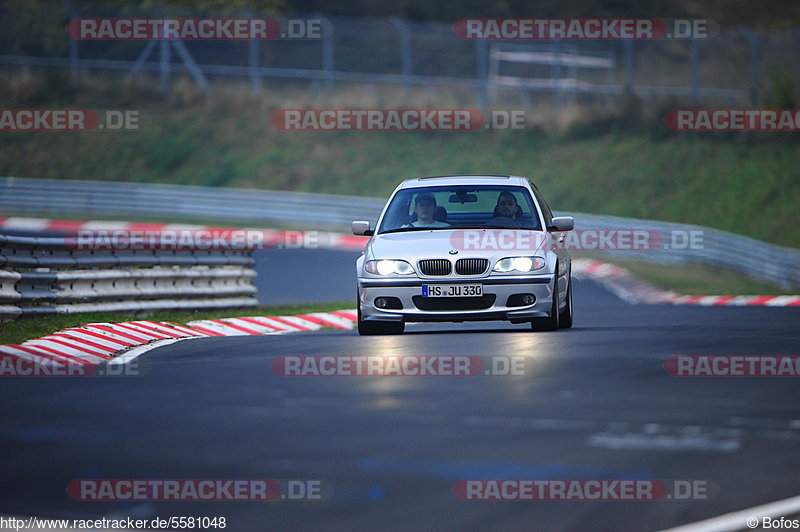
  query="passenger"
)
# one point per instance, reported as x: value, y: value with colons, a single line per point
x: 425, y: 209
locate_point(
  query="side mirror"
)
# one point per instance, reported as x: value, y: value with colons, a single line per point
x: 562, y: 223
x: 361, y: 228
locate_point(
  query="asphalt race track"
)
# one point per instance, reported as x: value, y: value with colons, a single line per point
x: 295, y: 276
x: 596, y: 404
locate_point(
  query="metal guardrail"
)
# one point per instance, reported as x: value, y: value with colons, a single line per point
x: 45, y: 276
x: 97, y: 198
x: 760, y: 260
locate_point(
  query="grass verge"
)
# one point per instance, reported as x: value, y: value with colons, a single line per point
x: 746, y: 183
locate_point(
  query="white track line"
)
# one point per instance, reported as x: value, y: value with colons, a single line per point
x: 136, y: 352
x: 738, y: 520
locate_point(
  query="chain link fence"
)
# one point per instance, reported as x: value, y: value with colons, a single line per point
x: 732, y: 66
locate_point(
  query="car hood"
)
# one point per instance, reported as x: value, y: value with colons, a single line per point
x: 469, y: 243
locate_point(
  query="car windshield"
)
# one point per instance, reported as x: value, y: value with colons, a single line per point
x: 453, y: 207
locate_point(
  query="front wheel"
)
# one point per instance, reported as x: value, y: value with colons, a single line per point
x: 551, y: 322
x: 565, y: 319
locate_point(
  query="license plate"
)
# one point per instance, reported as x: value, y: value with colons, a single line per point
x: 452, y: 290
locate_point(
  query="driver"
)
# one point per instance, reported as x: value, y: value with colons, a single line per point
x: 507, y: 212
x: 507, y: 206
x: 425, y: 208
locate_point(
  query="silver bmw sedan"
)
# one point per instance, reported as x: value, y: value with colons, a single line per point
x: 464, y: 247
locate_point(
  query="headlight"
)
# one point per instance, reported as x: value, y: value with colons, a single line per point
x: 388, y: 267
x: 519, y: 264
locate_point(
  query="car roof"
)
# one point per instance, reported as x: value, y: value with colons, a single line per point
x: 463, y: 179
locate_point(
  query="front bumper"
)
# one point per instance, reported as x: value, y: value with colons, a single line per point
x: 541, y: 286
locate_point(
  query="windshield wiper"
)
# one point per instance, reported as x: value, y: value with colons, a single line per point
x: 404, y: 229
x: 485, y: 226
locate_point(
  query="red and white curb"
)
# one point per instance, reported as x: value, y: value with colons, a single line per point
x: 270, y: 238
x: 634, y: 290
x: 116, y: 343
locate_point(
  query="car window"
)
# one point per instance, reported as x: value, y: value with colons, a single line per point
x: 460, y: 206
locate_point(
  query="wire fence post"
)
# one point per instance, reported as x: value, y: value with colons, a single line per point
x: 406, y: 58
x: 572, y: 72
x: 628, y: 54
x: 483, y: 76
x: 253, y: 61
x: 419, y: 65
x: 755, y: 64
x: 164, y: 64
x: 188, y: 61
x: 140, y: 61
x: 74, y: 72
x: 328, y: 63
x: 695, y: 71
x: 164, y: 56
x: 556, y: 69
